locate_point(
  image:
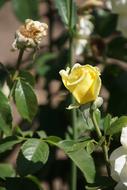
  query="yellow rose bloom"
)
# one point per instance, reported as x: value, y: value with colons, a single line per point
x: 83, y: 81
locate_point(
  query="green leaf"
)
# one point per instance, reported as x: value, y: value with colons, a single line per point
x: 25, y: 9
x: 18, y: 131
x: 90, y: 147
x: 26, y: 167
x: 5, y: 114
x: 4, y: 126
x: 73, y: 106
x: 72, y: 145
x: 5, y: 107
x: 26, y: 100
x: 21, y: 184
x: 84, y: 162
x: 41, y: 134
x: 113, y: 119
x: 53, y: 140
x: 8, y: 143
x: 64, y: 12
x: 6, y: 170
x: 36, y: 181
x: 32, y: 156
x: 101, y: 141
x: 106, y: 122
x: 35, y: 150
x: 97, y: 114
x: 2, y: 2
x: 27, y: 133
x: 62, y: 7
x: 2, y: 188
x: 92, y: 188
x: 117, y: 125
x: 27, y: 77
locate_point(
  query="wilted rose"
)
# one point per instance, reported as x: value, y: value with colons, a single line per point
x: 30, y: 34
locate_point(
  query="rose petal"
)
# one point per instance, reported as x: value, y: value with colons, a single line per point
x: 117, y: 161
x: 123, y: 138
x: 123, y: 174
x: 120, y: 186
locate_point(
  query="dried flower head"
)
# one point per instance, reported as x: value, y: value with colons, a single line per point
x: 30, y: 34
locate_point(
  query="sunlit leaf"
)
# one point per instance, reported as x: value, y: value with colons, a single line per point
x: 32, y: 156
x: 27, y: 167
x: 84, y: 162
x: 41, y: 134
x: 8, y: 143
x: 90, y: 147
x: 117, y: 125
x: 35, y: 150
x: 26, y: 100
x: 97, y: 114
x: 106, y: 122
x: 5, y: 114
x: 64, y: 12
x: 6, y: 170
x: 62, y: 7
x: 27, y: 77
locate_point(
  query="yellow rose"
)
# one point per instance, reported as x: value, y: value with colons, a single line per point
x: 83, y: 82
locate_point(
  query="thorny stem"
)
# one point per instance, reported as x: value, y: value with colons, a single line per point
x: 73, y: 111
x: 104, y: 146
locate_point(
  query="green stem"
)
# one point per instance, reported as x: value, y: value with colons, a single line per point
x: 70, y: 13
x: 18, y: 63
x: 73, y: 167
x: 104, y: 147
x: 19, y: 58
x: 98, y: 131
x: 73, y: 111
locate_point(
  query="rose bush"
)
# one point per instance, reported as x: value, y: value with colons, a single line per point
x: 118, y: 161
x: 83, y: 82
